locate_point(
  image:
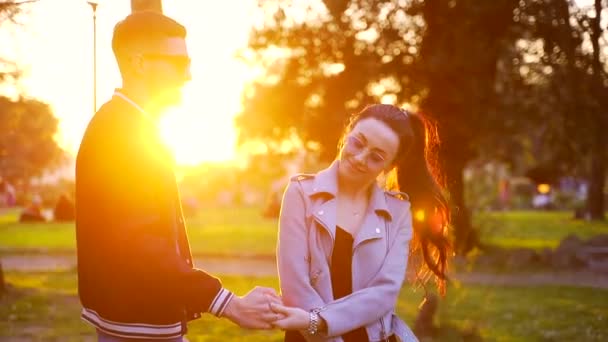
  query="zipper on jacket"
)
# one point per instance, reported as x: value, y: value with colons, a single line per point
x: 315, y: 276
x: 383, y: 332
x: 327, y: 230
x: 333, y: 240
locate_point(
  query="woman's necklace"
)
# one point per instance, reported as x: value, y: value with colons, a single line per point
x: 357, y: 212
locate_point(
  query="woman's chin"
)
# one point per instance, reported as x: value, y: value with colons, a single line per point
x: 348, y: 171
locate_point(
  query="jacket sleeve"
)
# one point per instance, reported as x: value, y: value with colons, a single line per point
x: 381, y: 295
x: 292, y: 252
x: 140, y: 187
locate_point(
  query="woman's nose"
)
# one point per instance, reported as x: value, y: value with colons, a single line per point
x: 360, y: 158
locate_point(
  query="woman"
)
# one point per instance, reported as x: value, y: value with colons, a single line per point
x: 344, y: 241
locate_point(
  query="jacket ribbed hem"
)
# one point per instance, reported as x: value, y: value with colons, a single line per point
x: 132, y: 330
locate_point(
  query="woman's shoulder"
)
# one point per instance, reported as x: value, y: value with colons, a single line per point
x: 300, y: 183
x: 302, y: 177
x: 398, y: 203
x: 399, y: 195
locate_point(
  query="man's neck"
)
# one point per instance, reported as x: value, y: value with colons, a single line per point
x: 135, y: 94
x: 141, y: 97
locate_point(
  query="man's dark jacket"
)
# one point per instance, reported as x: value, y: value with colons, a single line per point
x: 135, y: 273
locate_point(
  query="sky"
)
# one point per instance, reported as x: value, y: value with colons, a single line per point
x: 54, y: 49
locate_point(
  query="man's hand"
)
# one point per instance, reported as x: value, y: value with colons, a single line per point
x: 293, y: 318
x: 253, y: 310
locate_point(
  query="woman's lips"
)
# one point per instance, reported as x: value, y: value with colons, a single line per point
x: 354, y: 167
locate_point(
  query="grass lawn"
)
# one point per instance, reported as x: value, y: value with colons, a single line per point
x: 213, y: 231
x: 533, y: 229
x: 244, y: 231
x: 44, y: 307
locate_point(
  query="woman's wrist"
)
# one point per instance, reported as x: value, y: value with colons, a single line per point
x: 313, y: 322
x: 316, y: 323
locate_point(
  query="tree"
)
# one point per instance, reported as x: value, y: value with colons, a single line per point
x: 325, y: 73
x: 440, y: 56
x: 8, y: 10
x: 569, y: 82
x: 27, y: 144
x: 596, y: 197
x: 27, y: 127
x: 457, y: 67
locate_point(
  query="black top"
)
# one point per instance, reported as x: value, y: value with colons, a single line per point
x: 342, y: 277
x: 341, y: 283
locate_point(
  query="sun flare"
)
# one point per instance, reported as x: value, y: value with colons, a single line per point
x: 59, y: 33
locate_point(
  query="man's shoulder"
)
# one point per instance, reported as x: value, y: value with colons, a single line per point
x: 114, y: 112
x: 108, y: 127
x: 111, y: 119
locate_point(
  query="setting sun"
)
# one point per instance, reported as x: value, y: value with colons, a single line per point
x: 55, y: 51
x: 194, y: 134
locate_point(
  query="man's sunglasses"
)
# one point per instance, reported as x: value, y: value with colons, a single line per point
x: 181, y: 62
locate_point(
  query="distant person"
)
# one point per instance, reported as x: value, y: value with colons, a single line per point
x: 504, y: 194
x: 344, y: 240
x: 64, y: 209
x: 8, y: 196
x: 136, y: 278
x: 33, y: 212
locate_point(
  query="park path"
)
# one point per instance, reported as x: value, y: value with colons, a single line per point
x: 265, y: 267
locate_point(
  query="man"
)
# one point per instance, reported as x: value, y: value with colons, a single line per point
x: 135, y: 273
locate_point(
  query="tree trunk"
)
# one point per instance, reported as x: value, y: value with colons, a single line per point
x: 595, y: 195
x: 465, y: 238
x: 2, y: 283
x: 142, y: 5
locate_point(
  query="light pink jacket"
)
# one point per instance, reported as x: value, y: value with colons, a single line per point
x: 307, y: 230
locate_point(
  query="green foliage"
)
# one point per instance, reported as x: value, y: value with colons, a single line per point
x: 27, y: 144
x: 438, y: 56
x: 327, y: 66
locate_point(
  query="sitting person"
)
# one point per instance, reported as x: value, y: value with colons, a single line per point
x: 33, y: 212
x: 64, y: 209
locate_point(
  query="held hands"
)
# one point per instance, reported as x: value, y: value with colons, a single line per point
x: 253, y: 311
x: 291, y: 318
x: 262, y: 308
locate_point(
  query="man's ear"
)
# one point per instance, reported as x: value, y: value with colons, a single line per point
x: 137, y: 63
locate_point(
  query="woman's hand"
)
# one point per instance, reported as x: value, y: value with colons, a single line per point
x: 290, y: 318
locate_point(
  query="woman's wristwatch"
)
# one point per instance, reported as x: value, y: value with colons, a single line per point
x: 313, y: 323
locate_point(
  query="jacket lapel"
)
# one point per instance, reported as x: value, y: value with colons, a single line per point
x: 325, y: 215
x: 374, y: 223
x: 323, y: 196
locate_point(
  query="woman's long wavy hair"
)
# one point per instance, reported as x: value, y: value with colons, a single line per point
x: 416, y: 173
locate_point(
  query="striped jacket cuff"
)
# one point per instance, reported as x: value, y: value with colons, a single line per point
x: 220, y: 302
